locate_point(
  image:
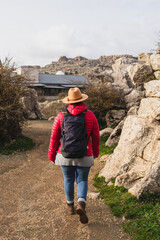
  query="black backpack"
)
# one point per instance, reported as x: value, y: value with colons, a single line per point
x: 74, y: 135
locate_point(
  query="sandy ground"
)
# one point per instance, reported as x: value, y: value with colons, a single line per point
x: 33, y: 201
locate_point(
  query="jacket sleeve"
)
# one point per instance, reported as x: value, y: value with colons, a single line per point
x: 95, y: 137
x: 55, y: 139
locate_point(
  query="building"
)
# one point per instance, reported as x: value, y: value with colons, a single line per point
x: 50, y: 84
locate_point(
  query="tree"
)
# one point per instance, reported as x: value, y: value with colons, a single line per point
x: 11, y: 113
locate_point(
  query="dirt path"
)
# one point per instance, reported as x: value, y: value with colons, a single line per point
x: 33, y: 202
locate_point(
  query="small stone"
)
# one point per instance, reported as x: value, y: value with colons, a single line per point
x: 93, y: 195
x: 51, y: 118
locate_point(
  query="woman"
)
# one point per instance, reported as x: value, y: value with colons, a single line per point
x: 75, y: 168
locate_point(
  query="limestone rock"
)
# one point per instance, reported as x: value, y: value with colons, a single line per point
x: 120, y: 73
x: 79, y: 58
x: 127, y: 91
x: 122, y: 63
x: 31, y: 105
x: 150, y: 183
x: 135, y: 162
x: 106, y: 132
x: 152, y: 88
x: 155, y: 61
x: 51, y: 118
x: 51, y: 108
x: 140, y: 73
x: 133, y: 98
x: 114, y: 117
x: 133, y: 110
x: 144, y: 57
x: 150, y: 108
x: 158, y: 49
x: 93, y: 195
x: 157, y: 74
x: 63, y: 59
x: 115, y: 135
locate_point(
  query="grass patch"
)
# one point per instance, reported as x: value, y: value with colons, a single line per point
x: 20, y: 144
x: 143, y: 214
x: 104, y: 149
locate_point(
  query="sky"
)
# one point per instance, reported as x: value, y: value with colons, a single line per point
x: 37, y: 32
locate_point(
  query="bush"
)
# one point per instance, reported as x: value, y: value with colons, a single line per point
x: 62, y: 95
x: 20, y: 144
x: 103, y: 98
x: 11, y: 114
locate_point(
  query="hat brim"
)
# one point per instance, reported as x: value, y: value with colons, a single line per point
x: 66, y: 99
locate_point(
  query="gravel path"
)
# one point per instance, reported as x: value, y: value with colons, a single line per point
x: 33, y: 201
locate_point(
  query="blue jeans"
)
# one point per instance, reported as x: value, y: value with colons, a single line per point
x: 71, y: 173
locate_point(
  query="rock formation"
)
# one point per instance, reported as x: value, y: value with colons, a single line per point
x: 31, y: 108
x: 50, y: 109
x: 125, y: 73
x: 135, y: 162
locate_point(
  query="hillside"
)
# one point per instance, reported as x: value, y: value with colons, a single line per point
x: 82, y: 66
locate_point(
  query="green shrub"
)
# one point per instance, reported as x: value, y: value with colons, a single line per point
x: 104, y: 149
x: 20, y: 144
x: 143, y: 214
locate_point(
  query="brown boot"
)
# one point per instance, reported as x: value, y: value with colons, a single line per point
x: 70, y: 209
x: 81, y: 212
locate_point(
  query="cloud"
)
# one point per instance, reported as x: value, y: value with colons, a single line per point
x: 57, y: 41
x: 48, y: 45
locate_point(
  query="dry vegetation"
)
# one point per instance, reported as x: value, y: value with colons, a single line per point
x: 103, y: 98
x: 11, y: 114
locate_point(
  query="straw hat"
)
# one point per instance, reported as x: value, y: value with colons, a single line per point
x: 74, y: 96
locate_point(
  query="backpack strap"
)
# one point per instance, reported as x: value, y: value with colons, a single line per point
x: 65, y: 112
x: 85, y: 111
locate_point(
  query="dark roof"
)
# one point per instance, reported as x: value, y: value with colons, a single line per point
x: 65, y: 80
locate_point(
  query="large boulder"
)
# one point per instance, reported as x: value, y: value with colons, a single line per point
x: 120, y: 73
x: 31, y: 107
x: 155, y: 61
x: 157, y: 75
x: 152, y: 88
x: 135, y: 162
x: 133, y: 98
x: 115, y: 135
x: 150, y: 108
x: 106, y: 132
x: 140, y: 73
x: 136, y: 155
x: 114, y: 117
x: 51, y: 108
x: 144, y: 57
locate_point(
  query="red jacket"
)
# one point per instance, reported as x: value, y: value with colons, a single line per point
x: 92, y: 132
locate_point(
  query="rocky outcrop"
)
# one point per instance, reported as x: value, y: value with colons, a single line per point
x: 50, y: 109
x: 115, y: 135
x: 31, y: 107
x: 140, y: 73
x: 155, y: 61
x: 106, y: 132
x: 129, y: 75
x: 144, y: 57
x: 125, y: 73
x: 114, y: 117
x: 135, y: 162
x: 133, y: 98
x: 81, y: 65
x: 152, y: 89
